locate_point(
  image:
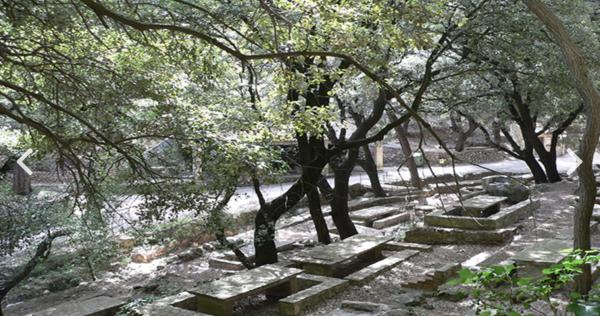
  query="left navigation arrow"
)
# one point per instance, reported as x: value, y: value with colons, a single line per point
x: 21, y: 164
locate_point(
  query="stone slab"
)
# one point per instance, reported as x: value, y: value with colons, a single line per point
x: 391, y: 220
x: 166, y: 310
x: 447, y: 236
x: 96, y: 306
x: 375, y: 269
x: 321, y: 289
x: 185, y: 300
x: 482, y: 205
x: 224, y: 264
x: 246, y: 283
x: 398, y: 245
x: 544, y: 253
x: 373, y: 213
x: 344, y: 250
x: 505, y: 217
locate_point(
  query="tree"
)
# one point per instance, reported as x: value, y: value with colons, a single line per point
x: 506, y: 82
x: 579, y: 73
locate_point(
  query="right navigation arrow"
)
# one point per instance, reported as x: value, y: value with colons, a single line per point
x: 578, y: 162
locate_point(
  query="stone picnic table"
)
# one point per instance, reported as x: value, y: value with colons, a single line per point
x: 482, y: 205
x: 337, y: 259
x: 219, y: 296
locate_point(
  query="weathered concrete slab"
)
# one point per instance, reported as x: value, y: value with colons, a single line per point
x: 320, y: 289
x: 541, y: 255
x: 341, y: 251
x: 391, y: 220
x: 166, y: 310
x: 482, y: 205
x: 96, y: 306
x: 224, y: 264
x: 505, y: 217
x: 398, y: 245
x: 425, y: 208
x: 446, y: 236
x: 244, y: 283
x: 377, y: 268
x: 368, y: 215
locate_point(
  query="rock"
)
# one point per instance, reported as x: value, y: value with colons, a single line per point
x: 410, y: 298
x: 145, y: 255
x: 190, y: 254
x: 356, y: 190
x: 452, y: 296
x: 158, y: 268
x: 505, y: 186
x: 125, y: 243
x: 363, y: 306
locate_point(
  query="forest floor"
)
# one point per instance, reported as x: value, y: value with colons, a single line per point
x: 170, y: 274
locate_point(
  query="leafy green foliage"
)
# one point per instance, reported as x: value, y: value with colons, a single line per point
x: 498, y: 290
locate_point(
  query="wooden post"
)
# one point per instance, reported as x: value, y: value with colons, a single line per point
x: 21, y: 181
x: 379, y: 155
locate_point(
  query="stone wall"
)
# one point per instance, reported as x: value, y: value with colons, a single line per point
x: 393, y: 156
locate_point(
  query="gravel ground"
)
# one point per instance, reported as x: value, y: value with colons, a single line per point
x: 553, y: 219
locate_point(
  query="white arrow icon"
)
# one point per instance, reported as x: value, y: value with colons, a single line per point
x: 578, y: 162
x: 22, y: 165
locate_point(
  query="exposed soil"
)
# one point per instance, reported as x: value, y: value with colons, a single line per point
x: 170, y: 275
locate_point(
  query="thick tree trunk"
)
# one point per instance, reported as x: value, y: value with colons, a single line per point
x: 415, y: 180
x: 579, y: 73
x: 368, y: 164
x: 264, y: 223
x: 548, y: 159
x: 339, y: 208
x: 539, y: 176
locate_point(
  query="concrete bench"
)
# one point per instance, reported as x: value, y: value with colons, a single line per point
x: 96, y: 306
x: 370, y: 272
x: 218, y: 297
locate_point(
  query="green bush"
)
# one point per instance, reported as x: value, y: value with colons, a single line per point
x: 498, y: 290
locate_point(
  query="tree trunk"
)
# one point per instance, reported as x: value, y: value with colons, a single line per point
x: 548, y: 159
x: 266, y: 217
x: 339, y: 208
x: 496, y: 132
x: 415, y: 180
x: 539, y: 175
x: 41, y: 253
x: 309, y: 150
x: 579, y: 73
x: 368, y: 164
x: 21, y: 181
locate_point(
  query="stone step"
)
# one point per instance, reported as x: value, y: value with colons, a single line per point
x: 399, y: 245
x: 99, y: 305
x: 377, y: 268
x: 391, y: 220
x: 321, y: 289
